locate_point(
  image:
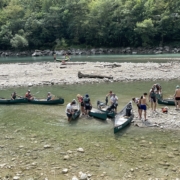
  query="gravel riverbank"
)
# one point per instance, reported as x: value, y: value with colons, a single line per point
x: 34, y: 74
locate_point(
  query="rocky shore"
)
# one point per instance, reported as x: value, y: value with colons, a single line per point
x: 89, y: 51
x: 54, y: 73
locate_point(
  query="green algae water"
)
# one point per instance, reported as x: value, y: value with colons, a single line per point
x: 160, y: 58
x: 35, y: 138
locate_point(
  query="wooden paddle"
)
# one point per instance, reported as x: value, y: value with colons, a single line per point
x: 106, y: 100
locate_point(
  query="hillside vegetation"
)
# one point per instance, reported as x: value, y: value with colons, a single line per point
x: 59, y: 24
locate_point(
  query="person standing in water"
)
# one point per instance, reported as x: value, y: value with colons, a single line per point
x: 137, y: 102
x: 177, y: 97
x: 143, y: 102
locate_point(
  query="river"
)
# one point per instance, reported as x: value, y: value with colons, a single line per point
x: 134, y: 153
x: 101, y: 58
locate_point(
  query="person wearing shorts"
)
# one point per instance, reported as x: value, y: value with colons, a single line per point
x: 87, y: 104
x: 80, y: 100
x: 69, y: 110
x: 143, y: 105
x: 152, y: 98
x: 114, y: 102
x: 177, y: 97
x: 137, y: 102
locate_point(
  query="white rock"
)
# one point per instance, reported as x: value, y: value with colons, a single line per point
x: 83, y: 176
x: 16, y: 177
x: 80, y: 150
x: 30, y: 84
x: 47, y: 146
x: 74, y: 178
x: 66, y: 157
x: 65, y: 170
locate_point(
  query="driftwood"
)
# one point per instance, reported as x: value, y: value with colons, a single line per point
x: 81, y: 75
x: 73, y: 63
x: 112, y: 65
x: 109, y: 65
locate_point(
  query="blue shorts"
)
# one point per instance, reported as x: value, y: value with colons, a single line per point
x: 143, y: 107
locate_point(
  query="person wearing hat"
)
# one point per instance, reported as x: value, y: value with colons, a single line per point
x: 87, y: 104
x: 177, y: 97
x: 80, y: 100
x: 69, y: 109
x: 49, y: 97
x: 29, y: 96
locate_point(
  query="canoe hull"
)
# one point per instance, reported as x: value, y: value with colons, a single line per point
x: 123, y: 118
x: 119, y: 127
x: 96, y: 113
x: 167, y: 102
x: 76, y: 115
x: 39, y: 101
x: 10, y: 101
x: 45, y: 102
x: 61, y: 60
x: 104, y: 108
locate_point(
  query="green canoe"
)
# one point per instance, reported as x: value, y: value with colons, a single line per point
x: 45, y: 102
x: 36, y: 101
x: 77, y: 111
x: 167, y: 102
x: 96, y: 113
x: 11, y: 101
x: 60, y: 60
x: 105, y: 108
x: 123, y: 118
x: 76, y: 114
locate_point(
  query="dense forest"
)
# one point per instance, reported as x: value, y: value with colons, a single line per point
x: 56, y: 24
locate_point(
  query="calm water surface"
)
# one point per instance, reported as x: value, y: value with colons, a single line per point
x: 95, y: 58
x: 134, y: 153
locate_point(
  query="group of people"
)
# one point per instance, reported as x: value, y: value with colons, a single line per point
x: 67, y: 57
x: 86, y: 104
x: 141, y: 102
x: 154, y: 93
x: 29, y: 96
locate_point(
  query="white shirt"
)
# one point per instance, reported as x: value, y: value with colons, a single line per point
x: 114, y: 100
x: 136, y: 100
x: 69, y: 107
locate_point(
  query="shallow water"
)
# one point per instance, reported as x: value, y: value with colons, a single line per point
x: 100, y: 58
x: 134, y: 153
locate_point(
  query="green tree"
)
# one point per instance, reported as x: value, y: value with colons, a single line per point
x: 19, y: 42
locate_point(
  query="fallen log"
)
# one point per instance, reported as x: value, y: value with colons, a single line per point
x: 81, y: 75
x: 112, y: 65
x: 73, y: 63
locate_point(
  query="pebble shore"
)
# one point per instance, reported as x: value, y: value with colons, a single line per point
x: 50, y: 73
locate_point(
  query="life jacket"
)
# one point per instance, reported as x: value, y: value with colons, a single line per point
x: 14, y: 96
x: 165, y: 110
x: 86, y: 100
x: 28, y: 95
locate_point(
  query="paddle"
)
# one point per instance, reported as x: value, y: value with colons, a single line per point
x: 106, y: 100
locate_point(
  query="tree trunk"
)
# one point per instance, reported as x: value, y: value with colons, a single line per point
x: 81, y: 75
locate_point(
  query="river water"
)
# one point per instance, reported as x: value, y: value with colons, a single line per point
x: 94, y: 58
x: 133, y: 153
